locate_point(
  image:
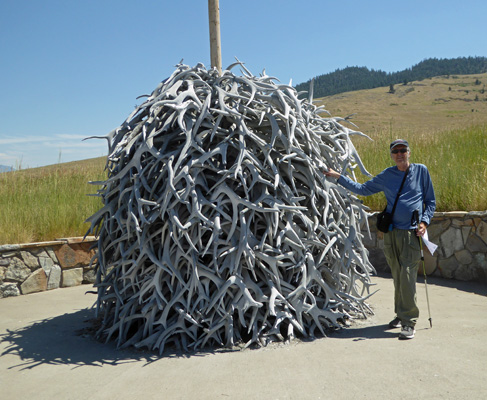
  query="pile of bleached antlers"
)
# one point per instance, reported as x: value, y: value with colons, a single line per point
x: 218, y: 225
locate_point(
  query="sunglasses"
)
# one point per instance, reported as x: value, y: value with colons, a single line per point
x: 399, y: 151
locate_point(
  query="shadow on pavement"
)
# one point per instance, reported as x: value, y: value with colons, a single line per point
x: 465, y: 286
x: 60, y: 340
x: 69, y: 339
x: 365, y: 333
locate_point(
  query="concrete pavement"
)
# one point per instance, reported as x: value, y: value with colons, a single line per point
x: 44, y: 356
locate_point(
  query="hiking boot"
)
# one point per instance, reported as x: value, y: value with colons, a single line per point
x: 395, y: 323
x: 407, y: 332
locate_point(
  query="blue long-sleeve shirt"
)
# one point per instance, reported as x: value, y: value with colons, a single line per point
x: 416, y: 194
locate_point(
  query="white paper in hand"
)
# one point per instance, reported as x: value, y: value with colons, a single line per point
x: 431, y: 246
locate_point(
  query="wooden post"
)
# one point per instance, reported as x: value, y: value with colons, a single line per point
x: 215, y: 43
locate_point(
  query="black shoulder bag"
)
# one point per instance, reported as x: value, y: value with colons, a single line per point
x: 384, y: 219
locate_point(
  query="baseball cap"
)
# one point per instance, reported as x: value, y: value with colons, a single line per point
x: 398, y: 142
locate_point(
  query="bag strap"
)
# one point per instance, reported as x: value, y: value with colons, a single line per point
x: 399, y: 192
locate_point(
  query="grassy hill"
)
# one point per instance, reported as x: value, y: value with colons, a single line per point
x: 435, y: 104
x: 357, y: 78
x: 444, y: 119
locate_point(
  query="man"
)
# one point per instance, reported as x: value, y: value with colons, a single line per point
x: 401, y: 244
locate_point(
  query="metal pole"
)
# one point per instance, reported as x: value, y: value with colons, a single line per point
x: 425, y: 282
x: 215, y: 43
x: 311, y: 90
x: 416, y: 218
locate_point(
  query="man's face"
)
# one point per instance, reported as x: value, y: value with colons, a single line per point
x: 400, y: 155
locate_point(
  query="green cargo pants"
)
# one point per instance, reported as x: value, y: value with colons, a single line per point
x: 403, y: 254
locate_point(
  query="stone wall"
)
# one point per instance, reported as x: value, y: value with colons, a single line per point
x: 36, y: 267
x: 462, y: 246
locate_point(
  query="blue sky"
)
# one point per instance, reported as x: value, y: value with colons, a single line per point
x: 72, y: 69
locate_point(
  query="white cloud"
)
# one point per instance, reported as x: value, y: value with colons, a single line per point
x: 25, y: 139
x: 48, y: 139
x: 35, y: 151
x: 7, y: 157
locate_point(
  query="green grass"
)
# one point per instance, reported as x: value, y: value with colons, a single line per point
x: 42, y: 204
x: 449, y: 138
x: 456, y: 161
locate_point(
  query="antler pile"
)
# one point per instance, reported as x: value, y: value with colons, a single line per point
x: 218, y: 225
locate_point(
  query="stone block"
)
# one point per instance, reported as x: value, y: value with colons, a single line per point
x: 469, y: 222
x: 9, y: 247
x: 436, y: 228
x: 54, y: 278
x: 17, y: 270
x: 482, y: 231
x: 451, y: 241
x: 4, y: 262
x: 457, y: 223
x: 72, y: 277
x: 465, y: 273
x: 74, y: 255
x: 448, y: 267
x: 480, y: 259
x: 52, y: 255
x: 29, y: 260
x: 478, y: 214
x: 464, y: 257
x: 430, y: 263
x: 466, y: 231
x: 89, y: 275
x: 9, y: 290
x: 3, y: 270
x: 36, y: 282
x: 476, y: 245
x: 40, y: 252
x: 46, y: 264
x: 456, y: 214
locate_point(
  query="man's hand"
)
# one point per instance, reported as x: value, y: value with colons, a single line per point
x: 421, y: 229
x: 332, y: 173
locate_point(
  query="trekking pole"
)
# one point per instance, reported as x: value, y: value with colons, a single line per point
x: 416, y: 216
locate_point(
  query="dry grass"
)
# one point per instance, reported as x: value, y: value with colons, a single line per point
x: 444, y: 119
x: 455, y: 158
x: 45, y: 203
x: 429, y: 106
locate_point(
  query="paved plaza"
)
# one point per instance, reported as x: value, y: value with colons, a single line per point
x: 46, y: 355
